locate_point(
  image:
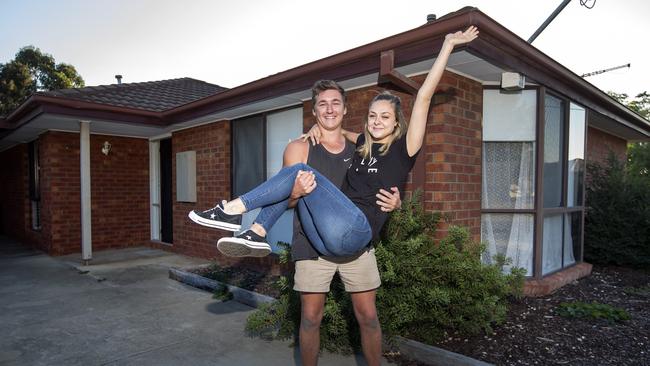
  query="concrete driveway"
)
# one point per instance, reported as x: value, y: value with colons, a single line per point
x: 122, y: 310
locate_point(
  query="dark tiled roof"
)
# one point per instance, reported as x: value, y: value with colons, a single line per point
x: 156, y: 96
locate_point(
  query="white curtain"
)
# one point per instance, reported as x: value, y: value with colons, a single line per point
x: 508, y: 178
x: 552, y: 247
x: 569, y: 257
x: 557, y: 229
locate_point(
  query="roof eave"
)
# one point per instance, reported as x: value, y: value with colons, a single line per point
x: 81, y: 109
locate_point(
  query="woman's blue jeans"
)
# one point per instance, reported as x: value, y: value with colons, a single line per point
x: 333, y: 224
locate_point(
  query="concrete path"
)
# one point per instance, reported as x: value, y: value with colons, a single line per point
x: 123, y: 310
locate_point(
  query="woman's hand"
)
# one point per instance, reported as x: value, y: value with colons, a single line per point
x: 313, y: 134
x: 462, y: 37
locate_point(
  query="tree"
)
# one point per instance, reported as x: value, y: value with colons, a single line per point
x: 638, y: 154
x: 33, y: 71
x: 640, y: 104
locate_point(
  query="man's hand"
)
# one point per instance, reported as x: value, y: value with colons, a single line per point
x: 304, y: 184
x: 389, y: 201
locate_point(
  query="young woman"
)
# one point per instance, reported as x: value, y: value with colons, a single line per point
x: 340, y: 222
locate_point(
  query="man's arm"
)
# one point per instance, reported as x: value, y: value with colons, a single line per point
x: 297, y: 152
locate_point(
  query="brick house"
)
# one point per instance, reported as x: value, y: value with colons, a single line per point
x: 507, y: 141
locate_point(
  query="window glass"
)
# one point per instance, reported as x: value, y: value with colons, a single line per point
x: 281, y: 128
x: 572, y: 238
x: 509, y: 235
x: 258, y: 144
x: 508, y: 175
x: 552, y: 248
x: 576, y: 157
x: 553, y: 151
x: 509, y: 116
x: 247, y: 154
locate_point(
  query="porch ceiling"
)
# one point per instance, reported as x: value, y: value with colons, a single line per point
x: 45, y: 122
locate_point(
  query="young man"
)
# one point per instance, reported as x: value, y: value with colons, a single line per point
x: 314, y: 273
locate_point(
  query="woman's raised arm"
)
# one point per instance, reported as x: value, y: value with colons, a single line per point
x: 418, y: 122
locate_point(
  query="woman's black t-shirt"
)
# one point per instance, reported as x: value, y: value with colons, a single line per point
x: 367, y: 175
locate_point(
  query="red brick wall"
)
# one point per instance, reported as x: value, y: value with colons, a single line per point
x: 60, y: 197
x: 599, y: 145
x: 453, y: 155
x: 212, y: 145
x: 119, y: 192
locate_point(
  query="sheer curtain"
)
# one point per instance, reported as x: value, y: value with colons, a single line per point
x: 508, y: 176
x: 508, y: 184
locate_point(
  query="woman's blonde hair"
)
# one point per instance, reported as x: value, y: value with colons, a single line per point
x: 400, y: 129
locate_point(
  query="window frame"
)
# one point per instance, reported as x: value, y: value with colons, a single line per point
x: 538, y: 210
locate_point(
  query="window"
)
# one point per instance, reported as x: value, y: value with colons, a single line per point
x: 532, y: 194
x: 564, y: 171
x: 258, y: 147
x: 553, y: 151
x: 576, y: 157
x: 508, y: 188
x: 186, y: 176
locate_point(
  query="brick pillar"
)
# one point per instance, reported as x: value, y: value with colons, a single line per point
x: 453, y: 154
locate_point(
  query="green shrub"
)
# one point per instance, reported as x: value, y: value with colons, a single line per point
x: 427, y: 288
x: 593, y: 310
x: 617, y: 221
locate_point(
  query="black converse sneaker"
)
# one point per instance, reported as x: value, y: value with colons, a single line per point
x: 216, y: 218
x: 246, y: 244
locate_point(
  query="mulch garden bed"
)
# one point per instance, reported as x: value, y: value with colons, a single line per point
x: 534, y: 333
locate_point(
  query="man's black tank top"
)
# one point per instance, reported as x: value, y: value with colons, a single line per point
x: 332, y: 166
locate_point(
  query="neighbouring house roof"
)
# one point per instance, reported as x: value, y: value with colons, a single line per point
x: 137, y: 103
x: 497, y: 48
x: 156, y: 96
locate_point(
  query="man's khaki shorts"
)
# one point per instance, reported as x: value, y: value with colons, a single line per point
x: 358, y: 273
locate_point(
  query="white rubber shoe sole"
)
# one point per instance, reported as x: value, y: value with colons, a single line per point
x: 240, y: 247
x: 213, y: 224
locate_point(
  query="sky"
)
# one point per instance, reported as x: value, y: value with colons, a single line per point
x: 230, y: 43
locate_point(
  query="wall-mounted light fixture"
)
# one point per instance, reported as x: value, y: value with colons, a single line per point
x: 106, y: 148
x: 512, y: 81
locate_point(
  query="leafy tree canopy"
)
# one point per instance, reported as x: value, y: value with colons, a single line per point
x: 32, y: 71
x: 638, y: 154
x: 640, y: 104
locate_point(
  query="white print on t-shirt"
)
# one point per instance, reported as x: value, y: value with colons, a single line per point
x: 371, y: 162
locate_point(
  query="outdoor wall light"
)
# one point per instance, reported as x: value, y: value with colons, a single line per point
x: 106, y: 148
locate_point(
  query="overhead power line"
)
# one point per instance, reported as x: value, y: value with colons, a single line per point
x: 586, y: 3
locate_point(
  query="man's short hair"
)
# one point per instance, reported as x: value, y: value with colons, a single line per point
x: 322, y: 85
